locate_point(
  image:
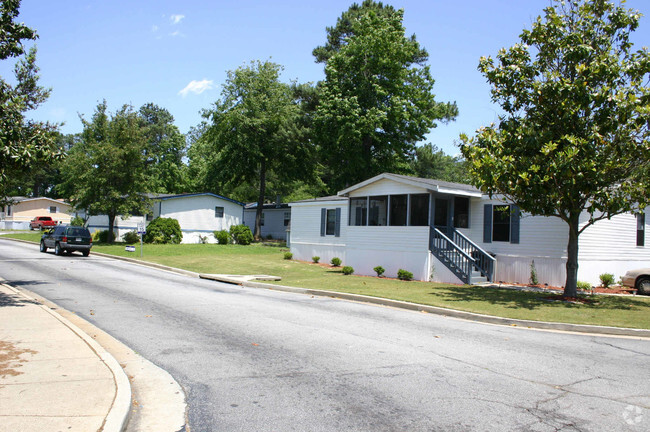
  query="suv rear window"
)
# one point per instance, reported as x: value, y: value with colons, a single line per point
x: 78, y: 232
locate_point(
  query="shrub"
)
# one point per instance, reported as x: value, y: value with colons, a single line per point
x: 585, y: 286
x: 163, y: 231
x: 533, y: 274
x: 131, y: 237
x: 606, y: 279
x: 203, y: 239
x: 102, y: 236
x: 223, y: 237
x: 379, y: 270
x: 241, y: 234
x: 336, y: 261
x: 404, y: 275
x: 288, y: 255
x: 77, y: 221
x: 269, y: 237
x: 347, y: 270
x: 315, y: 259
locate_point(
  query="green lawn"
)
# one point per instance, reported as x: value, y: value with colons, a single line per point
x: 616, y: 311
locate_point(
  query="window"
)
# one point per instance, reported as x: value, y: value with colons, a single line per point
x: 398, y: 210
x: 218, y: 212
x: 8, y: 210
x: 330, y: 228
x: 501, y: 223
x: 358, y: 211
x: 378, y: 213
x: 640, y: 229
x: 287, y: 218
x: 419, y: 215
x: 53, y: 209
x: 461, y: 212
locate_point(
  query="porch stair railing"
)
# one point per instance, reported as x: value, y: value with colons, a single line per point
x: 461, y: 256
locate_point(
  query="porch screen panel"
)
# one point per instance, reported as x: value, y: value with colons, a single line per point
x: 419, y: 215
x: 378, y: 212
x: 398, y: 209
x: 358, y: 211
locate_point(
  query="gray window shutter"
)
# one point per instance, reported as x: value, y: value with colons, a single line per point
x: 487, y: 223
x: 337, y: 226
x: 515, y: 215
x: 323, y: 221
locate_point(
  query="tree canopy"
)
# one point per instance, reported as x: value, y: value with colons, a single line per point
x: 574, y: 134
x: 376, y: 101
x: 431, y: 162
x: 23, y: 142
x: 253, y: 130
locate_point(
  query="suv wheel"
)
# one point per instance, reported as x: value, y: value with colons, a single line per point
x: 57, y: 249
x: 43, y: 248
x: 643, y: 285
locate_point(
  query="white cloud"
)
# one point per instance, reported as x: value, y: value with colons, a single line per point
x: 176, y: 33
x: 154, y: 28
x: 197, y: 87
x: 175, y: 19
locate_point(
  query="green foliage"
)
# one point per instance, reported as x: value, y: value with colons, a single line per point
x: 404, y: 275
x: 431, y: 162
x: 255, y: 129
x: 163, y: 231
x: 105, y: 171
x: 103, y: 236
x: 336, y: 261
x: 606, y: 279
x: 223, y: 237
x: 25, y: 145
x: 131, y: 237
x: 574, y: 136
x: 315, y: 259
x: 533, y: 274
x: 241, y: 234
x: 288, y: 255
x: 347, y: 270
x: 584, y: 286
x: 77, y: 221
x: 376, y: 101
x: 379, y: 270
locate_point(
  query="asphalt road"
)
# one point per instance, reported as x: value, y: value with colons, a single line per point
x: 261, y: 360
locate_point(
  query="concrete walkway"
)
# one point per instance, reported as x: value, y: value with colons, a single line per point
x: 54, y: 377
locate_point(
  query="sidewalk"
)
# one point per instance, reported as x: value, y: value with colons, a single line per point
x: 53, y: 377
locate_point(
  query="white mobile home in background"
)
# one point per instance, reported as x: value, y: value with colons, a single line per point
x: 275, y: 219
x: 449, y: 232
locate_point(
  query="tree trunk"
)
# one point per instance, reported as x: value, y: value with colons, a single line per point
x: 260, y: 202
x: 571, y: 284
x: 111, y: 224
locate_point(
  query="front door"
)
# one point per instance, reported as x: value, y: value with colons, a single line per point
x: 441, y: 215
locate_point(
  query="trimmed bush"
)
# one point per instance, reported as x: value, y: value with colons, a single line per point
x: 163, y: 231
x: 315, y: 259
x: 131, y: 237
x: 288, y: 255
x: 336, y: 261
x: 102, y: 236
x: 606, y: 279
x: 585, y: 286
x: 347, y: 270
x: 223, y: 237
x: 241, y: 234
x: 404, y: 275
x: 379, y: 270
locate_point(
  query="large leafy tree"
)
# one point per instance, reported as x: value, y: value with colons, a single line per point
x: 23, y: 142
x: 164, y: 150
x: 105, y: 172
x: 432, y: 162
x: 256, y: 129
x: 376, y: 101
x: 574, y: 134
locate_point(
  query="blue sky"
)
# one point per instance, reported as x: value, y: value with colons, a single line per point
x: 176, y: 53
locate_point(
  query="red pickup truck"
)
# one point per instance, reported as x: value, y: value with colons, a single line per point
x: 42, y: 222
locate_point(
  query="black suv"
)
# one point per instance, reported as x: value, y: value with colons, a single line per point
x: 66, y: 239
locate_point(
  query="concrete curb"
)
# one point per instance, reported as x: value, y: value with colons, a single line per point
x: 118, y: 415
x: 488, y: 319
